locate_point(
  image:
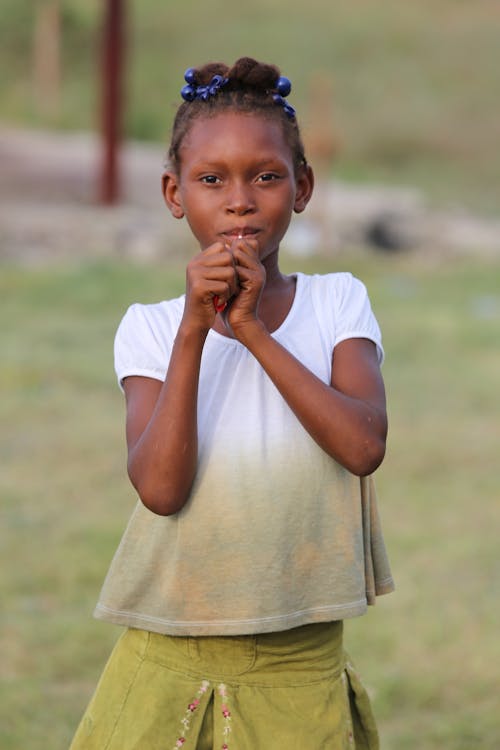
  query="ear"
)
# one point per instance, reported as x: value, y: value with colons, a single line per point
x: 171, y: 194
x: 305, y: 186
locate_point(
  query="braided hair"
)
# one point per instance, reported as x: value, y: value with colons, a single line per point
x: 249, y: 89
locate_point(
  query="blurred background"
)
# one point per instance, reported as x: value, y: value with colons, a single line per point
x: 400, y: 112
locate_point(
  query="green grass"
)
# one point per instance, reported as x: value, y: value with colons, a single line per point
x: 413, y: 84
x: 429, y: 652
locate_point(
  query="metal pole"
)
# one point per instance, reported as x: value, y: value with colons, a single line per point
x: 112, y: 61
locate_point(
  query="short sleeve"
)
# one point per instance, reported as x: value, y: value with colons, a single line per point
x: 354, y: 317
x: 144, y: 340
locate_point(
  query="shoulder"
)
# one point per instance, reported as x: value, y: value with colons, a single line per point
x: 336, y: 292
x: 149, y: 314
x: 145, y: 337
x: 340, y: 284
x: 152, y: 316
x: 342, y: 305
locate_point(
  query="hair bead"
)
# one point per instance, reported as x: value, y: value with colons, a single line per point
x: 188, y: 93
x: 283, y: 86
x: 289, y: 110
x: 191, y: 91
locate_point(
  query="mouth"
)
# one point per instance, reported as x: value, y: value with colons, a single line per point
x: 241, y: 233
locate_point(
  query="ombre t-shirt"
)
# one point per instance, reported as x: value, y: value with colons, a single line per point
x: 275, y: 533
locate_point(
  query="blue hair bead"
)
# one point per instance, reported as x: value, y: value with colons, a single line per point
x: 188, y: 93
x: 283, y: 86
x: 288, y: 109
x: 191, y: 91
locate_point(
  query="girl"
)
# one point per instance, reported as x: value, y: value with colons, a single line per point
x: 255, y: 417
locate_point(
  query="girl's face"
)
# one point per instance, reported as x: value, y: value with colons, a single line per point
x: 237, y: 178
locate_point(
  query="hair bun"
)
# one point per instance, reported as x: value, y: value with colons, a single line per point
x: 246, y: 73
x: 250, y: 73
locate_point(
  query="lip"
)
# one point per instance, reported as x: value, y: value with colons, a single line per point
x: 240, y: 232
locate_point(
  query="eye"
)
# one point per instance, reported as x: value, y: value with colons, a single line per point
x: 210, y: 179
x: 268, y: 177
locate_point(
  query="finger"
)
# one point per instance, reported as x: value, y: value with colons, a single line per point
x: 245, y: 257
x: 212, y: 257
x: 217, y: 247
x: 249, y: 272
x: 223, y: 285
x: 206, y: 286
x: 213, y: 267
x: 246, y: 245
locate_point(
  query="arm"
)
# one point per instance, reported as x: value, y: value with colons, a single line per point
x: 162, y: 428
x: 346, y: 417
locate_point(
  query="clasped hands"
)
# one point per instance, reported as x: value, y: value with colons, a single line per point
x: 227, y: 278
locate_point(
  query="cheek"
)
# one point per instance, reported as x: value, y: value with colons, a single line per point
x: 283, y: 210
x: 200, y: 224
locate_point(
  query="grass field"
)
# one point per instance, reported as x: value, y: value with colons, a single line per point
x: 429, y: 652
x: 414, y: 86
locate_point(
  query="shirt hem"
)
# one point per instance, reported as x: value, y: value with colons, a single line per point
x: 363, y: 335
x: 140, y: 372
x: 386, y: 586
x: 276, y: 623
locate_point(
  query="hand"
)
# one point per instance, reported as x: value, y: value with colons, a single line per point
x: 251, y: 275
x: 211, y: 273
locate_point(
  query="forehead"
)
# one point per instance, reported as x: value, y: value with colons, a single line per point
x: 231, y: 132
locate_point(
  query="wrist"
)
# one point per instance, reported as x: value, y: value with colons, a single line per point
x: 249, y: 332
x: 191, y: 334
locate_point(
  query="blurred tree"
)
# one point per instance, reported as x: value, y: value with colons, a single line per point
x: 322, y: 138
x: 112, y: 75
x: 47, y: 59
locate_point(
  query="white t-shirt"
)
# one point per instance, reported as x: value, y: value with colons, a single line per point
x: 275, y: 533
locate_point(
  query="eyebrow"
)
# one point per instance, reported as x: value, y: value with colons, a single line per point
x: 262, y: 163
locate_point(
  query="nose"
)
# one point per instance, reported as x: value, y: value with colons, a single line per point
x: 240, y: 199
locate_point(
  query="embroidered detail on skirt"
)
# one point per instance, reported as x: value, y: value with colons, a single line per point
x: 186, y: 720
x: 226, y: 714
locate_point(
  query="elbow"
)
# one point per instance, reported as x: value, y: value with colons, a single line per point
x: 371, y: 451
x: 370, y: 464
x: 161, y: 504
x: 163, y: 500
x: 368, y: 459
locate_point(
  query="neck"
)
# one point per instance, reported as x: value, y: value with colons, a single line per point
x: 275, y: 280
x: 277, y: 298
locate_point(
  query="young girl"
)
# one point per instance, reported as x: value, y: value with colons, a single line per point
x: 255, y: 417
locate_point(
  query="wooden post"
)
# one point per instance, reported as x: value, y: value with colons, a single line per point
x: 47, y: 59
x: 112, y: 62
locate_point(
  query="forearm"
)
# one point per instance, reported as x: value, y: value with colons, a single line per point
x: 162, y: 463
x: 351, y: 430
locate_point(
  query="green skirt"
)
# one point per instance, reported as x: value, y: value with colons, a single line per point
x: 293, y: 689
